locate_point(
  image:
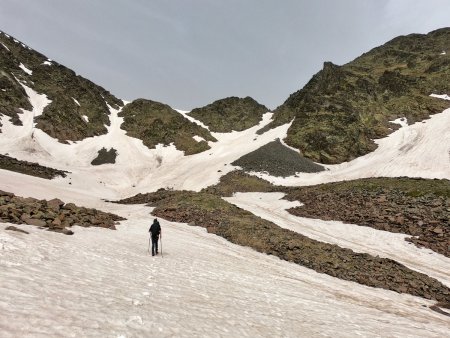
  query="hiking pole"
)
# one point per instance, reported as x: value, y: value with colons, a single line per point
x: 148, y: 246
x: 160, y: 239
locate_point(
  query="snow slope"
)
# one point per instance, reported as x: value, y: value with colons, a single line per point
x: 272, y: 207
x: 103, y: 283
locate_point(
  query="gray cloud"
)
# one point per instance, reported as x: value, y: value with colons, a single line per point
x: 188, y: 53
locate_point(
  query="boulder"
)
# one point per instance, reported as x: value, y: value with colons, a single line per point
x: 67, y: 232
x: 438, y: 230
x: 36, y: 222
x: 25, y: 217
x: 57, y: 223
x: 55, y: 204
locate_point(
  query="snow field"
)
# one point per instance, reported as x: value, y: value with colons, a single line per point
x: 100, y: 282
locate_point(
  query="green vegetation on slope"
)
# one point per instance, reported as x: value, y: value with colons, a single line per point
x: 343, y: 108
x: 231, y: 113
x: 155, y: 123
x: 239, y: 181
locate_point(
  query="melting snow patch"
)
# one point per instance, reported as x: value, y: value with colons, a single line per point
x: 38, y: 101
x: 25, y: 69
x: 190, y: 118
x: 75, y: 100
x: 5, y: 47
x: 443, y: 96
x: 401, y: 121
x: 198, y: 138
x: 85, y: 118
x: 47, y: 63
x: 443, y: 52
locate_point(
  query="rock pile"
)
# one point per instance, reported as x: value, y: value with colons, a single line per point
x: 426, y: 217
x: 29, y: 168
x: 278, y: 160
x: 54, y: 215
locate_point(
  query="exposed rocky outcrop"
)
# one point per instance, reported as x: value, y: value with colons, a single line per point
x: 278, y: 160
x: 243, y: 228
x: 417, y: 207
x: 105, y: 156
x: 231, y: 113
x: 343, y: 108
x: 29, y: 168
x: 54, y: 215
x: 72, y: 96
x: 156, y: 123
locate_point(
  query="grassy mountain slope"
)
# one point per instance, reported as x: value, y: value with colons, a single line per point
x: 343, y: 108
x: 155, y: 122
x: 63, y: 117
x: 231, y: 113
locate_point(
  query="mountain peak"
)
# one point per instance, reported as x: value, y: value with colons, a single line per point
x: 230, y: 113
x: 342, y: 109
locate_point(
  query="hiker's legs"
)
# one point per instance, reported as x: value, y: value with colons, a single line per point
x: 154, y: 245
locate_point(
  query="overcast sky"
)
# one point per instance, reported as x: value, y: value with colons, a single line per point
x: 188, y: 53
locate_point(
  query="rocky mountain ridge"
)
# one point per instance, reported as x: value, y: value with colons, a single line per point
x: 342, y: 109
x: 78, y: 107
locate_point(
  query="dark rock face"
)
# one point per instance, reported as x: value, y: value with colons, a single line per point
x: 416, y: 207
x: 62, y: 118
x: 105, y: 156
x: 231, y: 113
x: 53, y: 215
x: 278, y: 160
x: 155, y: 122
x: 29, y: 168
x: 243, y: 228
x: 343, y: 108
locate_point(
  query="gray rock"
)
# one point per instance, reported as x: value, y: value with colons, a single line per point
x: 13, y: 228
x: 36, y: 222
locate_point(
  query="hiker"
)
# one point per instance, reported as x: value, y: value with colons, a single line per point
x: 155, y: 230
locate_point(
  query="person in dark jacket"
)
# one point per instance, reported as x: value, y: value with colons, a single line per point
x: 155, y: 231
